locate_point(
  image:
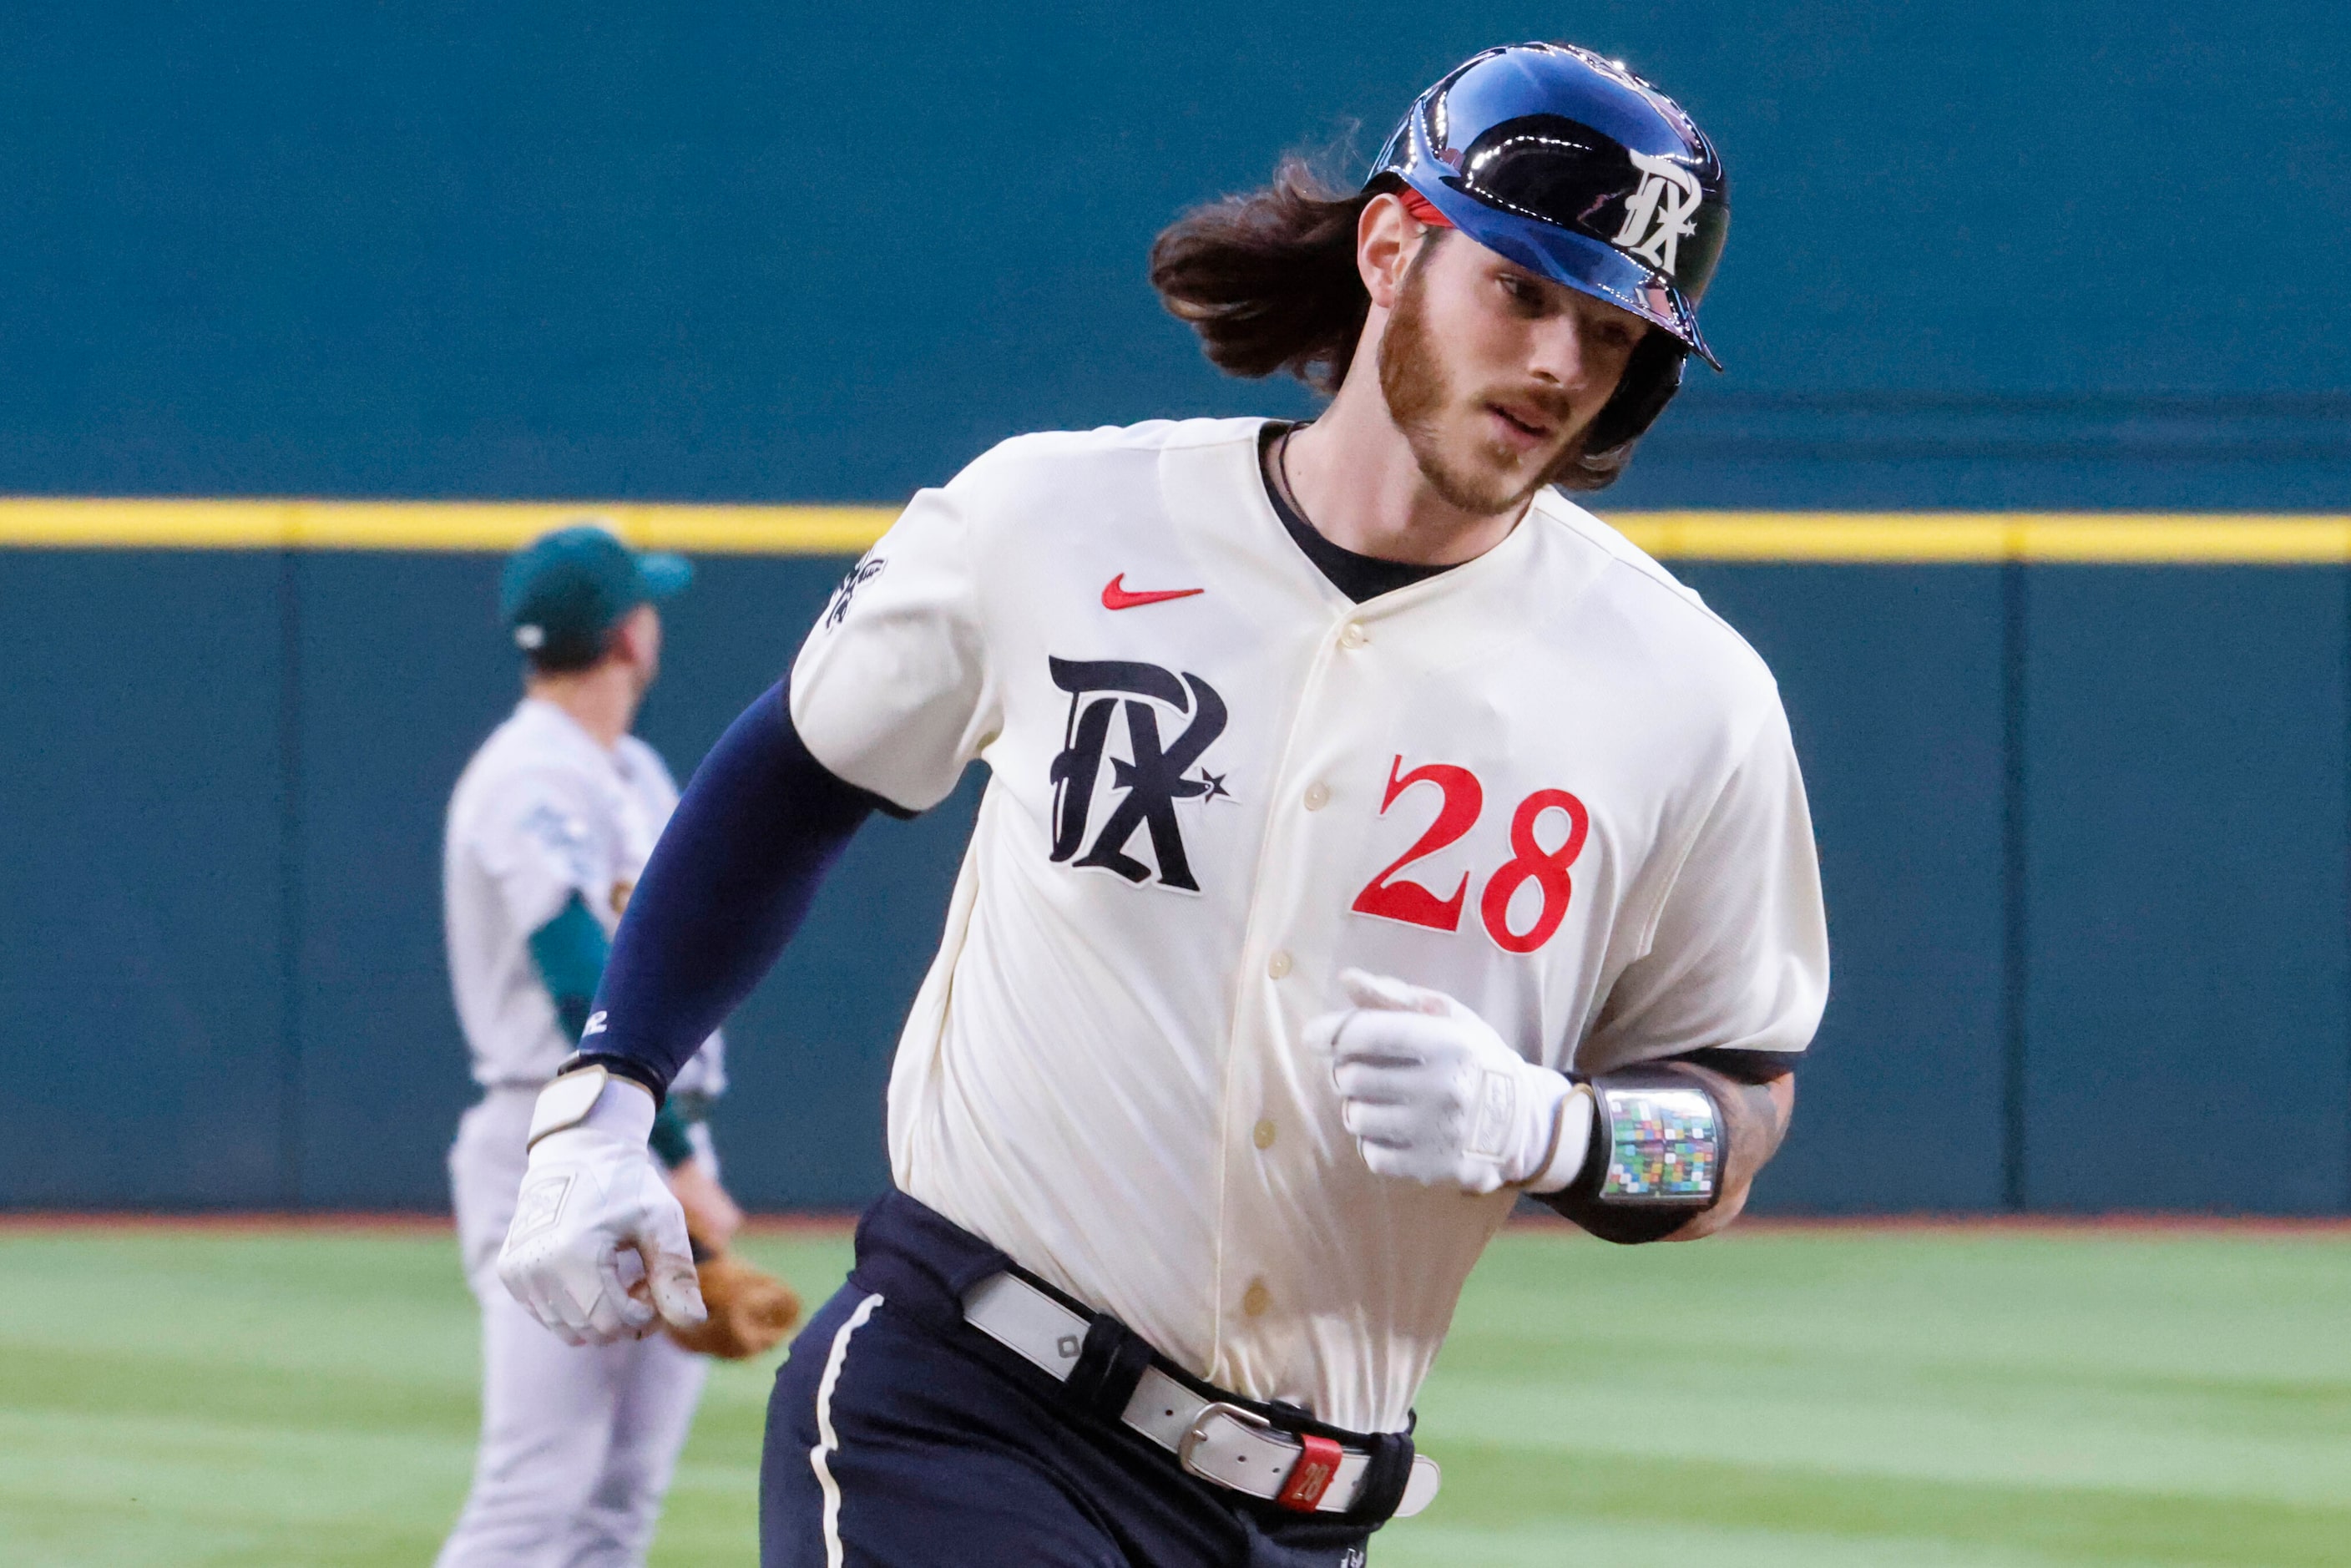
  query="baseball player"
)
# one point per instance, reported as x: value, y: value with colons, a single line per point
x: 549, y: 830
x: 1372, y: 836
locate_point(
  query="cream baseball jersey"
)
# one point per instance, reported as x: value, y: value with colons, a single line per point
x: 1548, y: 782
x: 543, y: 812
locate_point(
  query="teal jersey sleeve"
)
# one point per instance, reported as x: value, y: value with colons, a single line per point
x: 669, y: 1141
x: 570, y: 951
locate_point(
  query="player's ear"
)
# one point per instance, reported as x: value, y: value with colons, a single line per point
x: 637, y: 636
x: 1385, y: 237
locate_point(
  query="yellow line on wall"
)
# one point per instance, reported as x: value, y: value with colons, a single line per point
x: 1821, y: 536
x: 93, y: 524
x: 2180, y: 540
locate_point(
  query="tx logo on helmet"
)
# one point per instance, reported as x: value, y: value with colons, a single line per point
x: 1662, y: 212
x: 1152, y: 776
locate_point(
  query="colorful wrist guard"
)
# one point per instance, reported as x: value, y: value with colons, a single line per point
x: 1657, y: 1142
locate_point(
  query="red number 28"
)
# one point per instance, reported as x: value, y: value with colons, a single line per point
x: 1392, y: 897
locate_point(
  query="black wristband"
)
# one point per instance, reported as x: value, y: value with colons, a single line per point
x: 627, y: 1066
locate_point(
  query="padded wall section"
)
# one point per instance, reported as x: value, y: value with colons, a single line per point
x: 141, y: 882
x: 179, y: 795
x: 2187, y: 1042
x: 403, y: 672
x: 1891, y: 676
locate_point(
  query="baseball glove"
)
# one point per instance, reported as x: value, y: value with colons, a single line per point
x: 749, y: 1310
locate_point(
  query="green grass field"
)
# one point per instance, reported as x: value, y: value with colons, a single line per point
x: 1823, y: 1398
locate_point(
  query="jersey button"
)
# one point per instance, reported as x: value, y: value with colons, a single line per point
x: 1352, y: 635
x: 1278, y: 964
x: 1317, y: 797
x: 1256, y: 1299
x: 1262, y: 1134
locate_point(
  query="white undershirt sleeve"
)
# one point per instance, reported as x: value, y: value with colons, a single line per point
x: 1739, y: 957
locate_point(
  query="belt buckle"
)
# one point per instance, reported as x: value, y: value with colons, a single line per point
x: 1196, y: 1434
x: 1312, y: 1467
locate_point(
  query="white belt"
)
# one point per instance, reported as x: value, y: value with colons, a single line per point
x: 1216, y: 1441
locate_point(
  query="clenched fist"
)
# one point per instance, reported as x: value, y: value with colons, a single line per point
x: 597, y: 1248
x: 1433, y: 1094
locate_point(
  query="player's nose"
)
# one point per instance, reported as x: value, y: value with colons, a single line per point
x: 1560, y: 352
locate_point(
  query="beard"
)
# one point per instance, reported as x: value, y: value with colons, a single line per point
x: 1486, y: 478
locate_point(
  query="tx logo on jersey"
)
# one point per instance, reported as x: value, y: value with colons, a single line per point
x: 1660, y: 213
x: 863, y: 573
x: 1148, y: 781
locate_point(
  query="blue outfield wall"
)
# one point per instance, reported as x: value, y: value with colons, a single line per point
x: 223, y: 966
x: 2184, y: 997
x: 1892, y: 677
x: 2082, y: 831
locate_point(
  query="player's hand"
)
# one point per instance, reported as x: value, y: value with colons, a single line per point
x: 1432, y: 1094
x: 597, y: 1248
x: 712, y: 1217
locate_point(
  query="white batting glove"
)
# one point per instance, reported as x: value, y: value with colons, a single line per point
x: 1432, y: 1094
x: 598, y: 1248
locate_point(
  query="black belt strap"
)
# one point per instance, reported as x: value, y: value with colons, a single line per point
x: 1113, y: 1362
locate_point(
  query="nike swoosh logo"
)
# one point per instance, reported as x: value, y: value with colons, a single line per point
x: 1116, y: 596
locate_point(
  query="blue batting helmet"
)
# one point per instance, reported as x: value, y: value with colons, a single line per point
x: 1576, y: 169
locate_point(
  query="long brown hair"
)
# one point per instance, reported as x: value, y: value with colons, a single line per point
x: 1268, y: 279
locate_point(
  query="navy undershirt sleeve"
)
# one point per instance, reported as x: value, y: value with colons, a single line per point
x: 760, y: 823
x: 571, y: 951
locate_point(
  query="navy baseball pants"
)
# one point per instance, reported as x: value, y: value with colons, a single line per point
x: 900, y: 1437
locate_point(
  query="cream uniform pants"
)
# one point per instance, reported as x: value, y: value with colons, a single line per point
x: 578, y: 1443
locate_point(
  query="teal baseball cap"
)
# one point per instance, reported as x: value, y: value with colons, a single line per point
x: 561, y: 593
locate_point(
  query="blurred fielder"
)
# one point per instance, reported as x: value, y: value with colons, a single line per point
x: 1372, y: 836
x: 549, y: 828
